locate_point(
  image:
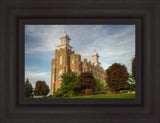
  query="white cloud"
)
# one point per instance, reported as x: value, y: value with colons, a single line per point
x: 35, y: 76
x: 46, y: 38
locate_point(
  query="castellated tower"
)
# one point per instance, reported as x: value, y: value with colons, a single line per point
x: 61, y: 63
x: 95, y: 58
x: 66, y: 59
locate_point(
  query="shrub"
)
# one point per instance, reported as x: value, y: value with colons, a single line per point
x: 88, y: 91
x: 71, y: 93
x: 96, y: 90
x: 59, y: 93
x: 77, y: 91
x: 100, y: 84
x: 106, y: 88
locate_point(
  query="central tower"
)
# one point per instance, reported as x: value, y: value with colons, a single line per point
x: 61, y: 63
x: 95, y: 58
x: 65, y: 40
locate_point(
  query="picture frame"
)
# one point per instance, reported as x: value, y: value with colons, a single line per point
x: 144, y: 14
x: 22, y: 23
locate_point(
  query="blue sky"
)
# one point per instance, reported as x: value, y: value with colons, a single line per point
x: 114, y: 43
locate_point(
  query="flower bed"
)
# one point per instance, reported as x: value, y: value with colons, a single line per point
x: 86, y: 94
x: 116, y: 92
x: 108, y: 92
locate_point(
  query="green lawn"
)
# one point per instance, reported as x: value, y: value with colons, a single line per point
x: 106, y: 96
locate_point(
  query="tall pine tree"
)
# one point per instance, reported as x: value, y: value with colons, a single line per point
x: 28, y: 89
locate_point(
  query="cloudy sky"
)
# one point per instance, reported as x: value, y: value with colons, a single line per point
x: 114, y: 43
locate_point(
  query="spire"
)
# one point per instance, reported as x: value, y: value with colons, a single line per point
x: 95, y: 58
x: 65, y: 40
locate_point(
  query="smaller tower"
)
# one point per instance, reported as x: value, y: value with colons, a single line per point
x: 95, y: 58
x: 65, y: 39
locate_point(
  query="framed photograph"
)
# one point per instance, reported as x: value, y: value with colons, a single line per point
x: 94, y: 61
x: 72, y: 61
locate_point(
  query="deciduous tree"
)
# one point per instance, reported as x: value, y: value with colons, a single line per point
x: 41, y: 88
x: 86, y: 81
x: 69, y: 81
x: 117, y: 76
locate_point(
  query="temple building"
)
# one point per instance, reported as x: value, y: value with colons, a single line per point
x: 66, y: 59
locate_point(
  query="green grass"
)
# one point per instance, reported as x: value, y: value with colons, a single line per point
x: 106, y: 96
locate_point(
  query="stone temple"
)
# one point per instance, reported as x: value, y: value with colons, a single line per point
x: 65, y: 59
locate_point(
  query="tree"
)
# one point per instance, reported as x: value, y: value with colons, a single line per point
x: 100, y: 84
x: 41, y: 88
x: 117, y: 76
x: 133, y: 67
x: 69, y: 81
x: 28, y: 89
x: 86, y: 81
x: 131, y: 79
x: 131, y: 83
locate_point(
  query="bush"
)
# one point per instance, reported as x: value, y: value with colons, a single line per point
x: 96, y: 91
x: 132, y: 87
x: 59, y: 93
x: 106, y: 88
x: 88, y: 91
x: 100, y: 84
x: 77, y: 91
x: 71, y: 93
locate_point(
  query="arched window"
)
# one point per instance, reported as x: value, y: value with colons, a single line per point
x: 72, y: 61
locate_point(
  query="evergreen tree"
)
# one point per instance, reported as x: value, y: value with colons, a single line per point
x: 28, y: 89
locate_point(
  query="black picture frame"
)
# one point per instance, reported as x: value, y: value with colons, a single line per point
x: 144, y: 108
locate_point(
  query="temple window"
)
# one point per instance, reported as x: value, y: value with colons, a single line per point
x: 72, y: 61
x: 60, y: 60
